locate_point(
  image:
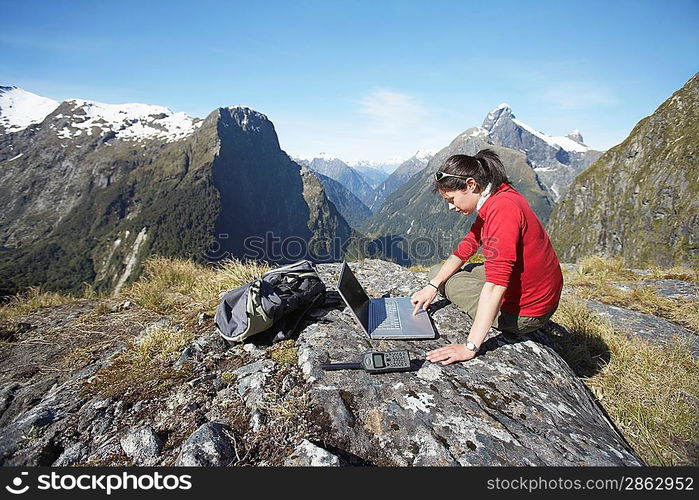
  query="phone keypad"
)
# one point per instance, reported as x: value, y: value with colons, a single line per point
x: 397, y: 359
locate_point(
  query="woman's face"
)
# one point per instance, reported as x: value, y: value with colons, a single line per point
x: 463, y: 201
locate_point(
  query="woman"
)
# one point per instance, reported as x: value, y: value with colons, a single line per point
x: 518, y: 288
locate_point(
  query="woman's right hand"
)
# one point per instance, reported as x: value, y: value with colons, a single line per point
x: 423, y: 298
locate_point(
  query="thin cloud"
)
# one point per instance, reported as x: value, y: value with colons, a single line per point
x: 392, y: 113
x: 385, y: 124
x: 577, y: 95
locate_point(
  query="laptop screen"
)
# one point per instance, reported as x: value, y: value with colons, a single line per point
x: 354, y: 295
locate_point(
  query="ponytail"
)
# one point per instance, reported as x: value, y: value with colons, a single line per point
x: 485, y: 167
x: 494, y: 170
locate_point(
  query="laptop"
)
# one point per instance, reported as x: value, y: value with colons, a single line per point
x: 388, y: 318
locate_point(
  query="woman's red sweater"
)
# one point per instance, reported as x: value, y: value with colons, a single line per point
x: 518, y: 253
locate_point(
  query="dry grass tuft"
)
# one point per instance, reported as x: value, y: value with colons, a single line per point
x: 180, y: 289
x: 144, y: 368
x: 418, y: 269
x: 175, y: 286
x: 31, y: 299
x: 651, y: 393
x: 593, y: 281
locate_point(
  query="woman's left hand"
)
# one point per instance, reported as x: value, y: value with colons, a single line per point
x: 450, y: 354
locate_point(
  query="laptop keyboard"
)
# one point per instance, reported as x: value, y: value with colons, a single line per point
x: 384, y: 315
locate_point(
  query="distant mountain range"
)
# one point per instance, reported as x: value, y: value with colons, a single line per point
x: 400, y: 176
x: 412, y: 225
x: 338, y: 170
x: 89, y: 190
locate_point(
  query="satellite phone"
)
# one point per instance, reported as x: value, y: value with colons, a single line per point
x: 376, y: 362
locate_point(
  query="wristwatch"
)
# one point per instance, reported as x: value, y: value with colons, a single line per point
x: 471, y: 347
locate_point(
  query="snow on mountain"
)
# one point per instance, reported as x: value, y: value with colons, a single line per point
x: 19, y: 108
x: 555, y: 141
x: 425, y: 154
x: 504, y: 112
x: 133, y: 121
x: 249, y: 118
x: 576, y: 136
x: 320, y: 156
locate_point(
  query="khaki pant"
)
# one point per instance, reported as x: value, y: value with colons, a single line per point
x: 464, y: 289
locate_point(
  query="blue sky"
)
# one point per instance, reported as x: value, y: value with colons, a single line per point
x: 364, y: 80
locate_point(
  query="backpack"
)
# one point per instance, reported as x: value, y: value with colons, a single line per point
x: 274, y: 303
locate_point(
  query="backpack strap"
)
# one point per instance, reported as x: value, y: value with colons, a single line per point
x: 286, y: 326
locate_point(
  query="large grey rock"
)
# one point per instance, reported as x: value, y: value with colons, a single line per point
x: 514, y: 404
x: 637, y: 324
x: 74, y: 453
x: 667, y: 288
x: 210, y: 445
x: 308, y: 454
x: 142, y: 445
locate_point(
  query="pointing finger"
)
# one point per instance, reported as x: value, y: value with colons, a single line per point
x: 417, y: 307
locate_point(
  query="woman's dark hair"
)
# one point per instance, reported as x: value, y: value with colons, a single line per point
x: 485, y: 167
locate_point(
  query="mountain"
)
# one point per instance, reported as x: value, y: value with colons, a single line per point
x: 91, y: 190
x: 19, y: 108
x: 387, y: 166
x: 405, y: 171
x: 556, y: 160
x: 414, y: 226
x: 639, y: 200
x: 337, y: 169
x: 350, y: 207
x: 372, y: 176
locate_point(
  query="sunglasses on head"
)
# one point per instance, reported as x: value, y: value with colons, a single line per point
x: 439, y: 175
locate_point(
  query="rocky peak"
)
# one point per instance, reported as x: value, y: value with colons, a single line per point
x: 424, y: 155
x: 576, y: 136
x: 502, y: 112
x: 247, y: 118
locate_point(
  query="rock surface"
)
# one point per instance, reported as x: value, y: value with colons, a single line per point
x: 210, y: 445
x: 517, y: 403
x: 668, y: 288
x: 142, y: 445
x: 308, y: 454
x: 637, y: 324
